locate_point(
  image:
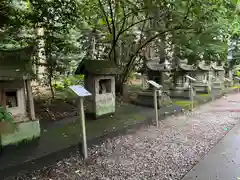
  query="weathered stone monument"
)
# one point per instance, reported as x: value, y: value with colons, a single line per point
x: 157, y: 72
x: 228, y: 80
x: 202, y: 85
x: 218, y: 76
x: 99, y: 80
x: 181, y: 87
x: 15, y: 90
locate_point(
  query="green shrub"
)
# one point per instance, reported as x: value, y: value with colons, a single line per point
x: 69, y: 81
x: 238, y: 73
x: 7, y: 125
x: 4, y: 115
x: 58, y: 86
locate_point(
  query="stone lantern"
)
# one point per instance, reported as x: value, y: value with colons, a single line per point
x: 16, y: 96
x: 99, y: 79
x: 218, y: 73
x: 202, y: 75
x: 181, y: 89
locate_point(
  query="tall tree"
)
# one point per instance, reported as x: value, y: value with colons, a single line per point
x: 56, y: 18
x: 194, y: 26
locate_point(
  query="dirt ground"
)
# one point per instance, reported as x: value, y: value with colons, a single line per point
x: 58, y: 109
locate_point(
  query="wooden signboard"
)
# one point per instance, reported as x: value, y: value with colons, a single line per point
x: 82, y: 92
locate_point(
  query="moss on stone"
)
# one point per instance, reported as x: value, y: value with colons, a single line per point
x: 16, y: 63
x: 105, y: 67
x: 25, y: 131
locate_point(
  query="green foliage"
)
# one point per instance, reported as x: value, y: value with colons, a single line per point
x: 198, y: 30
x: 237, y: 73
x: 4, y: 8
x: 120, y: 30
x: 7, y: 125
x: 235, y: 51
x: 58, y: 86
x: 69, y: 81
x: 4, y: 115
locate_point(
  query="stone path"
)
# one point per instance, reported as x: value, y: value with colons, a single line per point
x: 222, y: 162
x: 164, y: 153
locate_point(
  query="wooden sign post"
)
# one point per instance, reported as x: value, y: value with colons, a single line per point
x: 156, y: 88
x: 192, y: 94
x: 81, y: 92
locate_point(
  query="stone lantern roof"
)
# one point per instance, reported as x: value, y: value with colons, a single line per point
x: 154, y: 65
x: 97, y: 67
x: 217, y: 68
x: 203, y: 67
x: 16, y: 63
x: 183, y: 66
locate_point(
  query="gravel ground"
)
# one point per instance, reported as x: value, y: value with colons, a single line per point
x: 164, y: 153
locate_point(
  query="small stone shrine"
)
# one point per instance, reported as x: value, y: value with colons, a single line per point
x: 202, y: 85
x: 156, y: 71
x: 218, y: 76
x: 15, y: 90
x: 181, y: 89
x: 99, y: 80
x: 229, y: 81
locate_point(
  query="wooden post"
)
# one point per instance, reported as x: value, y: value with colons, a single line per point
x: 30, y: 100
x: 156, y: 105
x: 143, y: 80
x: 238, y: 86
x: 191, y: 96
x: 212, y: 87
x: 84, y: 137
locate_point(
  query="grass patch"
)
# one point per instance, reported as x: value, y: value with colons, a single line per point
x: 235, y: 87
x: 184, y: 104
x: 204, y: 95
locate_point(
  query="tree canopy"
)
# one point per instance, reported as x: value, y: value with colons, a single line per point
x: 121, y: 30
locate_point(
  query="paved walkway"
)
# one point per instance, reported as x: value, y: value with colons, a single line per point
x: 222, y: 162
x: 164, y: 153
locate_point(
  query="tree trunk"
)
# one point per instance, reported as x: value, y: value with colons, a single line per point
x: 50, y: 75
x: 51, y: 88
x: 162, y: 50
x: 0, y: 144
x: 119, y: 87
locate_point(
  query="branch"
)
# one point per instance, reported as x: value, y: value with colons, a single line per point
x: 134, y: 55
x: 123, y: 24
x: 130, y: 13
x: 143, y: 20
x: 124, y: 20
x: 122, y: 31
x: 111, y: 14
x: 129, y: 27
x: 105, y: 16
x: 152, y: 38
x: 159, y: 34
x: 141, y: 35
x: 188, y: 10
